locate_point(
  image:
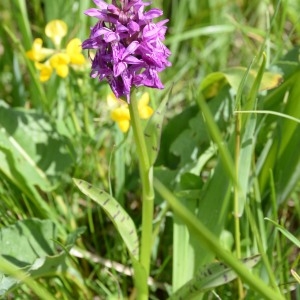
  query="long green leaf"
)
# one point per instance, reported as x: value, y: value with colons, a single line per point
x: 115, y: 212
x: 153, y: 130
x: 248, y: 126
x: 282, y: 147
x: 268, y: 112
x: 208, y: 30
x: 295, y: 275
x: 21, y: 13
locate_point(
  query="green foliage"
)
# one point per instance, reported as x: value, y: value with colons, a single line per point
x: 211, y: 243
x: 228, y: 138
x: 278, y: 154
x: 30, y: 246
x: 290, y: 236
x: 41, y: 162
x: 33, y: 154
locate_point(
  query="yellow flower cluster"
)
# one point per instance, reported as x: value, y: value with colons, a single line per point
x: 120, y: 111
x: 58, y: 59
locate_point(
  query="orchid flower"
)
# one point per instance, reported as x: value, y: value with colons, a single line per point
x: 128, y: 45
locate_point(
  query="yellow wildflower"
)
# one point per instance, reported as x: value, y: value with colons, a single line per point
x: 56, y: 30
x: 58, y: 59
x: 45, y: 70
x: 37, y: 52
x: 122, y: 117
x: 74, y: 51
x: 145, y: 111
x: 59, y: 62
x: 120, y: 111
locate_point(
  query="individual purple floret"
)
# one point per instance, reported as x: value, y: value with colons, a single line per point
x: 129, y: 48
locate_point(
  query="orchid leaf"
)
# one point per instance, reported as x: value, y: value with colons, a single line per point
x: 153, y: 130
x: 115, y: 212
x: 209, y: 277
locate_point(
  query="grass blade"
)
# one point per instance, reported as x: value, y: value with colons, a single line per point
x: 285, y: 232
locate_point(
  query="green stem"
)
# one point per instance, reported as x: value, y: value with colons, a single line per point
x: 23, y: 21
x: 146, y: 173
x: 237, y: 199
x: 71, y: 108
x: 38, y: 91
x: 138, y: 133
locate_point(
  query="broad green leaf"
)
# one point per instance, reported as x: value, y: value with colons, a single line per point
x: 27, y: 240
x: 171, y: 131
x: 193, y: 139
x: 29, y: 245
x: 184, y: 148
x: 285, y: 232
x: 212, y: 83
x: 32, y: 153
x: 153, y: 130
x: 209, y: 277
x: 115, y: 212
x: 190, y: 181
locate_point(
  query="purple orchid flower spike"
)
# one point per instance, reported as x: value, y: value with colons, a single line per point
x: 128, y: 45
